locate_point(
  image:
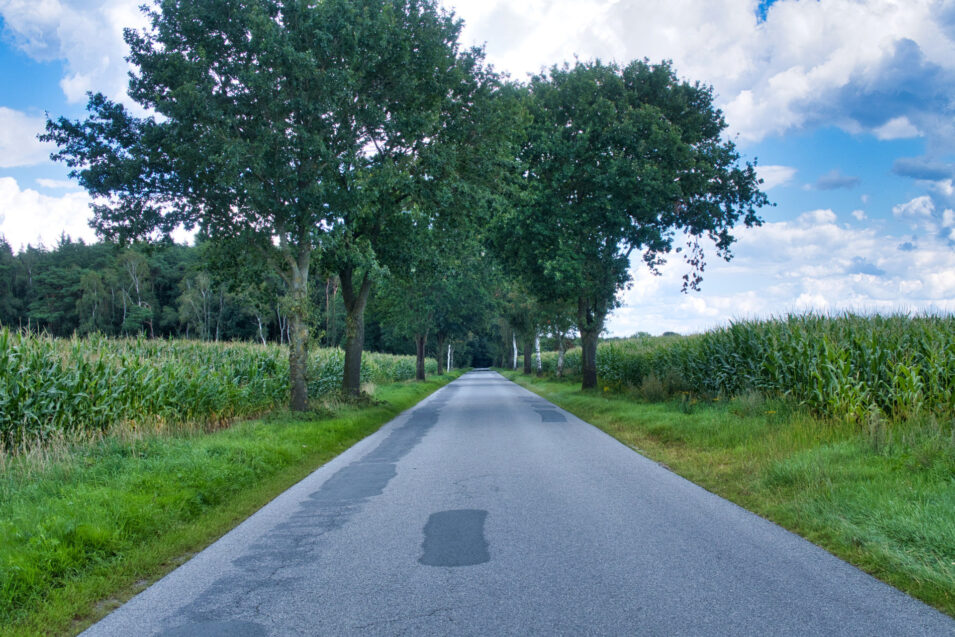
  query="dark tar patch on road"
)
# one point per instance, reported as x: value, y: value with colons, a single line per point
x: 550, y: 415
x: 300, y: 539
x: 455, y: 538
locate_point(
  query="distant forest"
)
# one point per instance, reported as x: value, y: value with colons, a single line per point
x: 165, y: 290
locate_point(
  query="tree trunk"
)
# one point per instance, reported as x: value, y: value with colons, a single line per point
x: 537, y: 354
x: 561, y: 351
x: 355, y: 301
x: 528, y: 347
x: 297, y: 359
x: 420, y: 341
x: 261, y: 332
x: 589, y: 322
x: 514, y: 345
x: 588, y: 357
x: 298, y: 336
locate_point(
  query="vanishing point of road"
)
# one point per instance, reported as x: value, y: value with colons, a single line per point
x: 486, y: 510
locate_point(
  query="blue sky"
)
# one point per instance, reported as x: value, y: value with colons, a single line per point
x: 849, y: 106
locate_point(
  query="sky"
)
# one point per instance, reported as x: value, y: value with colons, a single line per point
x: 847, y: 106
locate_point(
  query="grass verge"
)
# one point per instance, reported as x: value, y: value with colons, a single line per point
x: 882, y: 499
x: 81, y: 534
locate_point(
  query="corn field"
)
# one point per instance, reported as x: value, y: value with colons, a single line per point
x: 851, y: 367
x: 51, y: 387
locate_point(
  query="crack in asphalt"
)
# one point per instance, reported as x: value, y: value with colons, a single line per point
x: 295, y: 546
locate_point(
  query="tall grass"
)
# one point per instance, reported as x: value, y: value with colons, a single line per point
x: 857, y: 368
x: 86, y: 386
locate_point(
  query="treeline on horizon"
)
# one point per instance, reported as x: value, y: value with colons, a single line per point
x: 170, y: 290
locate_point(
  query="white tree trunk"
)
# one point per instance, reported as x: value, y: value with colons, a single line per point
x: 261, y: 332
x: 514, y: 341
x: 449, y: 357
x: 537, y: 350
x: 561, y: 350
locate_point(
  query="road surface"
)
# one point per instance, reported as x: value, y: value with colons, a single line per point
x: 487, y: 510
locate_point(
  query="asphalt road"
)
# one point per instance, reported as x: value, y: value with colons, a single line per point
x: 486, y: 510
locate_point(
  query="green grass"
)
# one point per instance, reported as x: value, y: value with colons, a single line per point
x: 882, y: 498
x: 85, y: 529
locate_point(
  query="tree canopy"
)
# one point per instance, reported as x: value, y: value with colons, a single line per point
x: 620, y: 160
x: 357, y: 139
x: 293, y: 125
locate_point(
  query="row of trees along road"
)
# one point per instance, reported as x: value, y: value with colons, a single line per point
x: 357, y: 136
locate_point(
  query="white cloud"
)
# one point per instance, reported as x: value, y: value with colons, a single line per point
x: 919, y: 208
x: 839, y: 62
x: 29, y: 217
x: 859, y: 215
x: 18, y: 143
x: 811, y: 302
x: 87, y: 34
x: 810, y: 263
x: 897, y: 128
x: 817, y: 217
x: 57, y: 184
x: 774, y: 176
x: 943, y: 187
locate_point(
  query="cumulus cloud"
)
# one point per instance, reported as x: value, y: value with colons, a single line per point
x: 86, y: 34
x: 817, y: 218
x: 18, y: 143
x: 774, y: 176
x: 918, y: 208
x: 897, y: 128
x: 29, y: 217
x: 835, y: 180
x: 882, y: 67
x: 810, y: 263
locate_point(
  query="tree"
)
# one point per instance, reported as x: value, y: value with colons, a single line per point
x: 93, y: 304
x: 523, y: 314
x: 10, y: 304
x: 559, y: 318
x: 406, y: 298
x: 619, y: 160
x: 444, y: 293
x: 137, y: 311
x: 290, y: 124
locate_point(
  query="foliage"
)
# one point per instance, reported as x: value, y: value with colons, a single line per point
x: 618, y: 160
x: 294, y: 127
x: 851, y: 367
x: 87, y: 386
